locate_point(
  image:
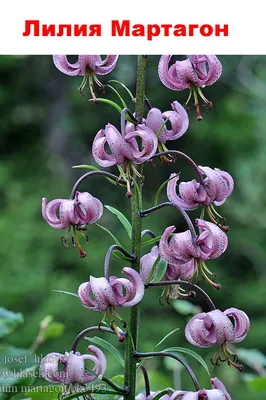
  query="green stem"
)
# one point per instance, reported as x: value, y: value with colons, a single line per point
x: 136, y: 203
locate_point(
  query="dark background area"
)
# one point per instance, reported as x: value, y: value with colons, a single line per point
x: 46, y: 127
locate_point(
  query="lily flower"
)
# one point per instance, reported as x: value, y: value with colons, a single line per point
x: 194, y: 73
x: 124, y: 148
x: 61, y: 214
x: 210, y: 244
x: 111, y: 293
x: 73, y: 367
x: 87, y: 66
x: 218, y: 185
x: 178, y: 119
x: 215, y: 327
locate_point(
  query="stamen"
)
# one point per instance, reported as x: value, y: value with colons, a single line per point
x: 82, y: 253
x: 196, y: 105
x: 207, y: 103
x: 95, y: 101
x: 65, y: 237
x: 217, y: 286
x: 96, y: 80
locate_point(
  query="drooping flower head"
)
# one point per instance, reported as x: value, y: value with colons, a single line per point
x: 62, y: 214
x: 124, y: 148
x: 218, y: 185
x: 178, y: 119
x: 194, y: 73
x: 73, y: 367
x: 216, y: 328
x: 87, y: 66
x: 210, y: 244
x: 113, y: 292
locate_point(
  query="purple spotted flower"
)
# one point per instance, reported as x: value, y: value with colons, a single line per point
x: 73, y: 367
x: 178, y: 119
x: 210, y: 243
x: 173, y: 272
x: 87, y: 66
x: 216, y: 328
x: 218, y: 185
x: 115, y: 292
x: 218, y: 392
x: 123, y: 147
x: 194, y: 73
x: 61, y: 214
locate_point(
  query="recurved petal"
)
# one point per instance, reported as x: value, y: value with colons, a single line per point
x: 217, y: 241
x: 149, y: 143
x: 228, y: 183
x: 187, y: 201
x: 106, y: 65
x: 118, y: 144
x: 122, y: 296
x: 154, y: 121
x: 62, y: 63
x: 101, y: 367
x: 137, y: 284
x: 165, y: 251
x: 49, y: 213
x: 88, y: 207
x: 169, y: 79
x: 217, y: 384
x: 99, y: 153
x: 215, y: 69
x: 84, y: 292
x: 49, y: 367
x: 103, y: 293
x: 224, y: 330
x: 241, y: 323
x: 180, y: 394
x: 197, y: 333
x: 183, y: 247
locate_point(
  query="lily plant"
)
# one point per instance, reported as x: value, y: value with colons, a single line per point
x: 176, y: 261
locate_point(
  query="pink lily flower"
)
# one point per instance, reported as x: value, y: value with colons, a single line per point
x: 88, y: 66
x: 178, y: 119
x: 73, y: 367
x: 196, y: 72
x: 84, y: 209
x: 215, y: 327
x: 109, y: 293
x: 218, y: 185
x: 123, y: 147
x: 211, y: 243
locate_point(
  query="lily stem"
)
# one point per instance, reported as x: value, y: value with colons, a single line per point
x: 136, y: 205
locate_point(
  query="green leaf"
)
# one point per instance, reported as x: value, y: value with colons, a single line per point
x: 111, y: 103
x: 125, y: 87
x: 156, y: 198
x: 190, y: 353
x: 160, y: 271
x: 107, y: 346
x: 159, y: 395
x: 165, y: 337
x: 118, y: 379
x: 9, y: 321
x: 124, y: 221
x: 118, y: 95
x: 86, y: 166
x: 64, y: 292
x: 257, y: 384
x: 120, y: 255
x: 161, y: 127
x: 110, y: 233
x: 54, y: 330
x: 151, y: 241
x: 152, y: 271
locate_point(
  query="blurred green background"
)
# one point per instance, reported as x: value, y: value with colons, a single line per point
x: 46, y: 127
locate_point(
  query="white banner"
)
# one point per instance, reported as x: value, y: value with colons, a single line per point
x: 132, y: 27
